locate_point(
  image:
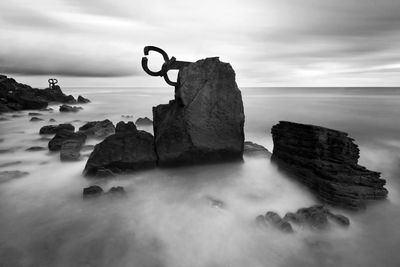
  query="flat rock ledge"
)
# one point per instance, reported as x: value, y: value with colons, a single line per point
x: 326, y: 160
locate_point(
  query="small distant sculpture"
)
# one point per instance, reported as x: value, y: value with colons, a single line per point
x: 52, y: 82
x: 169, y: 64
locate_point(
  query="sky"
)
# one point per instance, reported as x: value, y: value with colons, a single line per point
x: 268, y: 42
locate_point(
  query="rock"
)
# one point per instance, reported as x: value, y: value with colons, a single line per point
x: 92, y: 191
x: 126, y: 150
x: 144, y: 122
x: 70, y: 149
x: 4, y: 108
x: 87, y: 148
x: 116, y: 191
x: 66, y: 108
x: 275, y: 220
x: 46, y: 109
x: 52, y: 120
x: 36, y: 119
x: 9, y: 175
x: 205, y: 121
x: 326, y: 160
x: 316, y: 217
x: 83, y: 100
x: 53, y: 129
x: 99, y: 129
x: 34, y: 114
x: 64, y: 135
x: 215, y: 203
x: 36, y: 148
x: 253, y: 149
x: 127, y: 116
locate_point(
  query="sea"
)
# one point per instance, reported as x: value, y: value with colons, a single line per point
x: 168, y: 219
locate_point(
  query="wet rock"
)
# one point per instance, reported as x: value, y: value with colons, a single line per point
x: 9, y: 175
x: 92, y: 191
x: 87, y: 148
x: 52, y: 120
x: 144, y: 122
x: 116, y: 191
x: 36, y: 119
x: 326, y: 160
x: 34, y: 114
x: 126, y: 150
x: 53, y: 129
x: 46, y: 109
x: 83, y: 100
x: 275, y: 220
x: 70, y: 149
x: 253, y: 149
x: 205, y: 121
x: 99, y: 129
x: 64, y: 135
x: 36, y: 148
x: 67, y: 108
x: 316, y: 217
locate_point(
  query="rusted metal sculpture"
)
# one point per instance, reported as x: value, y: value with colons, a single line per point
x: 52, y: 82
x: 169, y: 64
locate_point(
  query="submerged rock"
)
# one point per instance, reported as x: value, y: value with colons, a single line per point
x: 9, y: 175
x: 70, y: 149
x: 92, y: 191
x: 316, y: 217
x: 205, y: 121
x: 83, y: 100
x: 325, y: 160
x: 67, y: 108
x: 126, y: 150
x: 274, y: 219
x: 53, y: 129
x: 36, y: 119
x: 99, y: 129
x: 34, y: 114
x: 253, y: 149
x: 116, y: 191
x: 64, y: 135
x: 35, y: 148
x: 144, y: 122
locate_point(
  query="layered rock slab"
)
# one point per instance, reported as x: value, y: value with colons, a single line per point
x: 204, y: 123
x: 326, y: 161
x: 127, y: 150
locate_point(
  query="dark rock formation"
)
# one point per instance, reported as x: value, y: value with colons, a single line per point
x: 275, y: 220
x: 53, y: 129
x: 64, y: 135
x: 253, y: 149
x: 325, y: 160
x: 316, y: 217
x: 83, y: 100
x: 18, y: 96
x: 126, y: 150
x: 34, y: 114
x: 116, y: 191
x: 70, y: 149
x: 52, y: 120
x: 6, y: 176
x: 99, y: 129
x: 36, y: 119
x: 144, y: 122
x: 92, y: 191
x: 205, y: 121
x: 66, y: 108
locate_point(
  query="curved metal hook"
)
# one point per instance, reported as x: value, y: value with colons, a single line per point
x: 145, y: 67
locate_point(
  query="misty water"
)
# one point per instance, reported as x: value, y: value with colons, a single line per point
x: 168, y: 217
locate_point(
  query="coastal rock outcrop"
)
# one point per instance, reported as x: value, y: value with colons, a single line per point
x: 18, y: 96
x: 82, y: 100
x: 99, y: 129
x: 253, y: 149
x: 127, y: 150
x: 326, y: 160
x: 204, y: 123
x: 67, y: 108
x: 143, y: 122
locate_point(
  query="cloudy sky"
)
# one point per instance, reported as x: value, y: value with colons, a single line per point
x: 268, y: 42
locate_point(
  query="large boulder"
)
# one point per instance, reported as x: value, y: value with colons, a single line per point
x: 127, y: 150
x: 205, y: 121
x: 65, y: 135
x: 99, y: 129
x: 326, y: 160
x: 70, y: 149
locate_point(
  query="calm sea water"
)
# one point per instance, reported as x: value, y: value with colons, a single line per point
x: 167, y: 218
